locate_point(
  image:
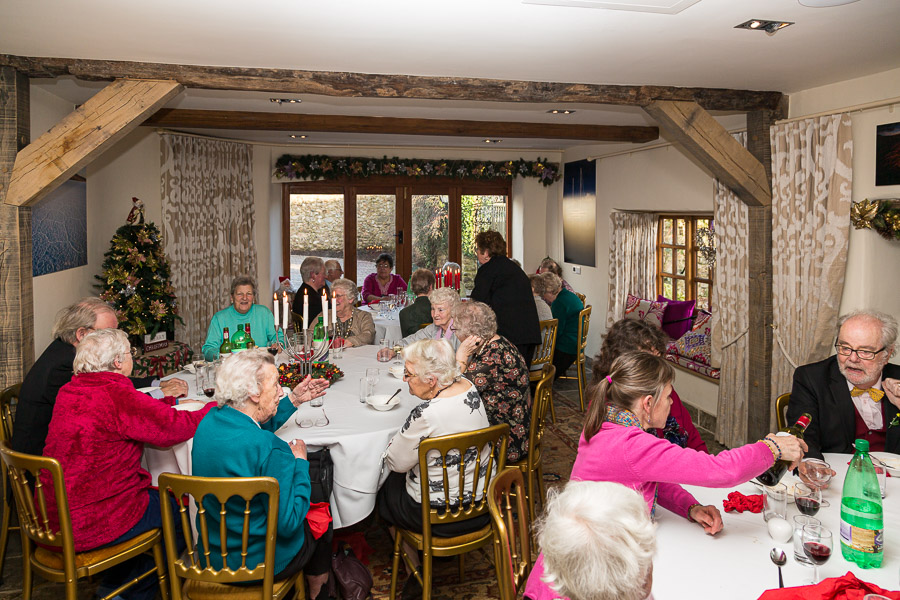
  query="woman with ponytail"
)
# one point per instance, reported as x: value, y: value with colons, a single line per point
x: 615, y: 446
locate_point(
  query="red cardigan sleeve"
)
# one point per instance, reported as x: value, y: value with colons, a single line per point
x: 151, y: 421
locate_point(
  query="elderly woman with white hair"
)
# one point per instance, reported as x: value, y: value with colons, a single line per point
x: 597, y: 543
x: 353, y: 327
x: 251, y: 407
x: 494, y: 365
x: 443, y: 300
x: 450, y: 404
x: 98, y: 431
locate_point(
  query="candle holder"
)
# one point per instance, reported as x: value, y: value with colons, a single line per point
x: 302, y: 349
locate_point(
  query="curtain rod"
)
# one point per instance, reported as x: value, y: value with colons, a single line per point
x: 848, y: 109
x: 651, y: 147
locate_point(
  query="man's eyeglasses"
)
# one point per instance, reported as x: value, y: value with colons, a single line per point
x: 862, y: 354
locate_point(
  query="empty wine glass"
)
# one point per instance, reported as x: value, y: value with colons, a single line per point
x: 817, y: 545
x: 372, y: 376
x: 819, y: 473
x: 807, y: 498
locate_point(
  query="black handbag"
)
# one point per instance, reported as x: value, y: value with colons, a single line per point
x: 353, y: 577
x: 321, y: 475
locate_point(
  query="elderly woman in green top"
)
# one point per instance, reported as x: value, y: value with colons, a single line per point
x: 565, y: 307
x: 242, y: 311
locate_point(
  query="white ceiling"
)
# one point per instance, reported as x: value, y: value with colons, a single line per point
x: 502, y: 39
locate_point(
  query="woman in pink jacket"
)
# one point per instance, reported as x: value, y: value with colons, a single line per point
x: 615, y: 446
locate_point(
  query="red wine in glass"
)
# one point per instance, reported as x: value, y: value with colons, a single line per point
x: 273, y: 350
x: 209, y: 392
x: 818, y: 553
x: 808, y: 506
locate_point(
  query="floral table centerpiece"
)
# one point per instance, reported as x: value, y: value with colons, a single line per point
x: 289, y: 374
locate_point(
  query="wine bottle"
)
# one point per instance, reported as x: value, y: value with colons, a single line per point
x: 862, y: 515
x: 226, y: 347
x: 774, y: 473
x: 319, y: 331
x: 250, y: 343
x: 239, y: 340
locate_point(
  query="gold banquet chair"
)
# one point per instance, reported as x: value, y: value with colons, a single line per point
x: 512, y: 540
x: 65, y: 565
x: 8, y: 398
x: 492, y: 440
x: 781, y: 408
x: 584, y: 321
x: 543, y: 355
x: 532, y: 467
x: 202, y: 581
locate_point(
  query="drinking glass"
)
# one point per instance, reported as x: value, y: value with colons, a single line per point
x: 775, y: 502
x: 363, y: 389
x: 819, y: 473
x: 881, y: 473
x: 807, y: 498
x: 801, y: 521
x: 382, y: 355
x: 208, y: 380
x: 373, y: 374
x: 817, y: 545
x: 337, y: 352
x: 317, y: 402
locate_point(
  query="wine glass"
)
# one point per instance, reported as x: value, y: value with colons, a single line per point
x: 372, y: 376
x: 819, y: 473
x: 807, y: 498
x: 207, y: 380
x: 817, y: 545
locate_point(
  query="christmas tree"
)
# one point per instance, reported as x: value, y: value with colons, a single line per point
x: 136, y: 279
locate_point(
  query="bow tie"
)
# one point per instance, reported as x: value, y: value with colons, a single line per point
x: 874, y: 394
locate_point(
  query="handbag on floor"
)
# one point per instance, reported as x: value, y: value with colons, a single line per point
x: 353, y: 577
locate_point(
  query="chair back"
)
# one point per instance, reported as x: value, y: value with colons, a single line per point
x: 582, y: 297
x: 9, y: 398
x: 543, y: 354
x: 512, y: 542
x: 543, y: 396
x: 584, y: 322
x: 216, y: 495
x: 781, y: 408
x: 484, y: 447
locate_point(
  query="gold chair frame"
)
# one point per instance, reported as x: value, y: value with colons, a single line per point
x: 492, y: 440
x: 533, y: 466
x: 512, y: 540
x: 781, y: 407
x: 543, y: 355
x: 202, y: 581
x: 584, y: 322
x: 65, y: 565
x: 8, y: 398
x: 582, y: 297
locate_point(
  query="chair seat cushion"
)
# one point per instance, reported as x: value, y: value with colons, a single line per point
x: 202, y: 590
x: 54, y: 560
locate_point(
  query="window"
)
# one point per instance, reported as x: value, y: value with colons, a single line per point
x: 682, y: 273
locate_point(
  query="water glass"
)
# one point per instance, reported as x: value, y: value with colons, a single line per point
x: 337, y: 352
x: 801, y: 521
x: 881, y: 472
x: 383, y: 354
x: 775, y: 502
x: 363, y: 389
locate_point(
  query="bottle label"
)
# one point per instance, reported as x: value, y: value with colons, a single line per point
x: 870, y: 541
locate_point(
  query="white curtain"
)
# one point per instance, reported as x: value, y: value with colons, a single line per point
x: 812, y: 174
x: 632, y: 260
x: 208, y: 225
x: 731, y: 295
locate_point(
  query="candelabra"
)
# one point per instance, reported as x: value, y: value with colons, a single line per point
x: 303, y: 349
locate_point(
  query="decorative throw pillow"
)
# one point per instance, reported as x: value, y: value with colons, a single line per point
x: 696, y: 344
x: 639, y: 309
x: 677, y: 318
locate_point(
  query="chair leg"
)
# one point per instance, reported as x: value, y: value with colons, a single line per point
x: 462, y: 567
x: 161, y: 570
x: 541, y: 486
x: 580, y: 369
x: 530, y: 485
x: 27, y: 573
x: 427, y: 573
x: 395, y: 568
x: 552, y: 408
x: 4, y: 534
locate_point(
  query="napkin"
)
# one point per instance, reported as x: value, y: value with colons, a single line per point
x: 318, y: 518
x: 847, y: 587
x: 739, y: 502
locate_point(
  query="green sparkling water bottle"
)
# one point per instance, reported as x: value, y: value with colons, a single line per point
x: 862, y: 518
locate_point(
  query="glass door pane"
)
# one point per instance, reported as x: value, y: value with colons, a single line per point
x: 479, y: 213
x: 316, y: 229
x: 430, y: 231
x: 376, y: 227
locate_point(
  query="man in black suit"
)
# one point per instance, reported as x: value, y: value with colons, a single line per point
x: 855, y: 394
x: 54, y: 369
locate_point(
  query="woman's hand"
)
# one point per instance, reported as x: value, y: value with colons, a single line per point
x: 467, y: 349
x: 174, y: 387
x: 792, y: 448
x: 806, y: 472
x: 385, y: 354
x: 707, y: 517
x: 338, y: 342
x: 308, y: 389
x: 298, y: 449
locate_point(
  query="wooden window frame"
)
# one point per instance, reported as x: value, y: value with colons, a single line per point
x: 690, y: 277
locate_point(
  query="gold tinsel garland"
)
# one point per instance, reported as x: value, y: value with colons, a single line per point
x: 882, y: 216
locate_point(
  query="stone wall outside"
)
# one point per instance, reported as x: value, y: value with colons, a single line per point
x: 318, y: 223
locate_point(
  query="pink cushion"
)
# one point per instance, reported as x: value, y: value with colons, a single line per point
x: 639, y: 309
x: 677, y: 318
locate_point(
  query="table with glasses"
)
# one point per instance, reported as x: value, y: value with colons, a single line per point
x: 387, y: 323
x: 356, y: 434
x: 735, y: 563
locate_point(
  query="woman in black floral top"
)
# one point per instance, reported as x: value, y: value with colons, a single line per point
x: 498, y: 370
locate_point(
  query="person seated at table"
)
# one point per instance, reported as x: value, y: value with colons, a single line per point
x: 354, y: 327
x: 566, y: 308
x: 333, y: 271
x: 498, y: 371
x: 243, y: 310
x: 548, y: 265
x: 312, y: 271
x: 640, y: 336
x: 98, y: 431
x: 419, y: 312
x: 443, y: 301
x: 596, y: 541
x: 450, y: 404
x: 53, y: 370
x: 537, y: 290
x: 382, y: 283
x: 250, y: 409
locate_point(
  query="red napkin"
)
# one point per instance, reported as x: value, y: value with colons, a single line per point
x: 847, y: 587
x: 357, y: 542
x: 318, y: 518
x: 739, y: 502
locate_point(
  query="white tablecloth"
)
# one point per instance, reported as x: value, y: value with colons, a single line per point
x: 384, y: 328
x: 735, y: 563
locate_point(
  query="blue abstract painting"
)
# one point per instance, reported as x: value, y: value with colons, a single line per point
x: 59, y: 229
x: 580, y: 212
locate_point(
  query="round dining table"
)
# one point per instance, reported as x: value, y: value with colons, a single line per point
x: 387, y: 327
x: 355, y: 433
x: 735, y: 562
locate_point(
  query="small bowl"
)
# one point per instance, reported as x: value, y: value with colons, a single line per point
x: 397, y: 371
x: 380, y: 402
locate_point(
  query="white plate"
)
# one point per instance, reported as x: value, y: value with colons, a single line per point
x: 149, y: 390
x: 397, y: 371
x: 891, y: 460
x: 377, y: 401
x: 189, y: 406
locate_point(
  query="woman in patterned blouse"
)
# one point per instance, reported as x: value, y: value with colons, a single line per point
x: 498, y: 370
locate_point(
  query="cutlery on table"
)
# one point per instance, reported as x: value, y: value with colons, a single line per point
x: 778, y: 557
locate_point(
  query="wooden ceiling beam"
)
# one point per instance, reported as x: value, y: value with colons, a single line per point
x: 84, y: 134
x: 364, y: 85
x: 715, y: 148
x: 267, y: 121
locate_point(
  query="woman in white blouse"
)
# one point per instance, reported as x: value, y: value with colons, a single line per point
x: 450, y: 404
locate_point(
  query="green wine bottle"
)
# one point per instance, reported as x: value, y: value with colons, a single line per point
x: 226, y: 347
x: 239, y: 340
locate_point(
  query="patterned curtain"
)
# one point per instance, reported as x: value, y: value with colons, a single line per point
x: 731, y: 295
x: 812, y: 175
x: 632, y: 260
x: 208, y: 225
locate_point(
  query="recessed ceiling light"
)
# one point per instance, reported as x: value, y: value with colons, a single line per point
x: 560, y: 111
x: 492, y: 141
x: 285, y: 100
x: 770, y: 27
x: 298, y: 136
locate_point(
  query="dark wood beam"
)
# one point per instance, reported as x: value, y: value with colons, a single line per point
x: 244, y: 120
x: 363, y: 85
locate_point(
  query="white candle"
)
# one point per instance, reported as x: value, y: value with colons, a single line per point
x: 324, y: 308
x: 333, y: 311
x: 305, y: 309
x: 284, y: 312
x: 275, y: 306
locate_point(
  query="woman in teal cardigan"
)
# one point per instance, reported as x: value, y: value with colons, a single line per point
x: 243, y: 310
x: 250, y: 409
x: 566, y: 308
